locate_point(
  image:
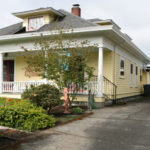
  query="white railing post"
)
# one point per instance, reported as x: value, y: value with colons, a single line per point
x: 1, y: 73
x: 100, y: 71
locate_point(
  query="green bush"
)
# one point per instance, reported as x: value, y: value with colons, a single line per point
x: 46, y: 96
x: 77, y: 110
x: 26, y: 116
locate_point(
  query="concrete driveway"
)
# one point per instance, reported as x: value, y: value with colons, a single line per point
x: 125, y: 127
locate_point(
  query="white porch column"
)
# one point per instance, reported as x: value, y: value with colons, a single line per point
x: 1, y: 71
x: 147, y: 77
x: 100, y: 71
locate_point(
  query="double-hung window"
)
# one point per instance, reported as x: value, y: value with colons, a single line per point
x: 34, y: 23
x: 141, y: 75
x: 122, y: 67
x: 136, y: 73
x: 131, y: 72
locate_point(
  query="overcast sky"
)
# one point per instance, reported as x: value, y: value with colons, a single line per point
x: 133, y: 16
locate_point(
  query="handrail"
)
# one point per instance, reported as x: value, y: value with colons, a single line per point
x: 109, y: 81
x: 109, y: 89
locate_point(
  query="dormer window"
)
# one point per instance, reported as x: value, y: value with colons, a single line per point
x: 35, y: 19
x: 34, y: 23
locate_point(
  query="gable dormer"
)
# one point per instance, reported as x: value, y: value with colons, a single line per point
x: 35, y: 19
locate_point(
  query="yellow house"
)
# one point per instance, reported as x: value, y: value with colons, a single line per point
x: 118, y: 62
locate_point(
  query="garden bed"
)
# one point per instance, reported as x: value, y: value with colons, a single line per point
x: 11, y: 137
x: 62, y: 118
x: 14, y: 109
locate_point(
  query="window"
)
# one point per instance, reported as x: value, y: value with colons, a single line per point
x: 121, y: 67
x: 131, y: 72
x: 35, y: 23
x: 141, y: 75
x: 136, y: 72
x: 131, y: 68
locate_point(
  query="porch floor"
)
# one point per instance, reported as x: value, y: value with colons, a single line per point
x: 11, y: 95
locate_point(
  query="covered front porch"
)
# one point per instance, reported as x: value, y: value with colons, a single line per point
x: 13, y: 78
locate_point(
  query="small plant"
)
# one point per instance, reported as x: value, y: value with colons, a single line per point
x: 77, y: 110
x: 45, y: 96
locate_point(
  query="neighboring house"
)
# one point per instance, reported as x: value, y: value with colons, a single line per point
x: 118, y: 62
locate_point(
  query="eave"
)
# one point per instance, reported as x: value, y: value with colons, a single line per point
x: 110, y: 31
x: 41, y: 11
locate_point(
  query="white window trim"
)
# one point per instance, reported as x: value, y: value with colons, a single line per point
x: 122, y: 69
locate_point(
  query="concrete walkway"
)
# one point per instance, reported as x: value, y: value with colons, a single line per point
x: 125, y: 127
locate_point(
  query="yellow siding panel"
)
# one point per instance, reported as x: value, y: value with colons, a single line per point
x: 93, y: 61
x: 108, y: 65
x: 111, y: 70
x: 20, y: 70
x: 124, y: 88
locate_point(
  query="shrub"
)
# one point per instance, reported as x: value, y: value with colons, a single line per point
x: 77, y: 110
x: 26, y: 116
x: 46, y: 96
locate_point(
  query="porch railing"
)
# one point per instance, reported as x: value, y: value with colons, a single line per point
x: 19, y: 87
x: 92, y: 85
x: 109, y: 88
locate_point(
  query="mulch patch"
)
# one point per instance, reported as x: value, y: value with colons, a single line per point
x: 59, y: 110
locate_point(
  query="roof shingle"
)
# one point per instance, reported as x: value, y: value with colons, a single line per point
x: 69, y: 21
x: 12, y: 29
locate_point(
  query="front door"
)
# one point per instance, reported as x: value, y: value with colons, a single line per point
x: 8, y: 70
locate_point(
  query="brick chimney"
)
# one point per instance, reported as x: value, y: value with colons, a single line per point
x: 76, y: 10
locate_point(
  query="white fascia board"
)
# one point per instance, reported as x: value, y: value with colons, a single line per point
x: 55, y: 32
x: 130, y: 43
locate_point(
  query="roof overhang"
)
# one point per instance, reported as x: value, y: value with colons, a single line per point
x: 121, y: 40
x: 110, y: 21
x: 41, y: 11
x: 109, y: 31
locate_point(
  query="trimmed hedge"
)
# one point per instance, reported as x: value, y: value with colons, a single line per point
x: 26, y: 116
